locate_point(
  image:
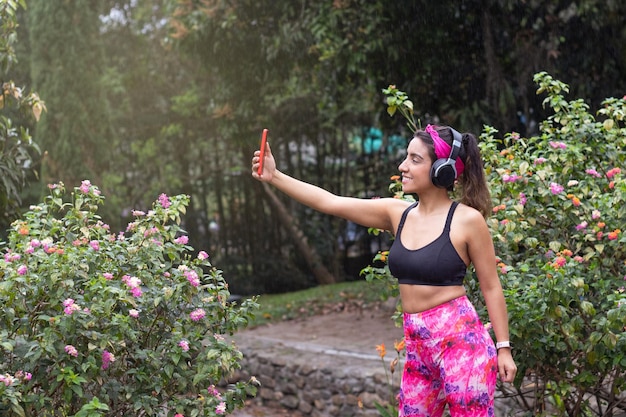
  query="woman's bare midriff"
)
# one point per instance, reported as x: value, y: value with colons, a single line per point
x: 418, y: 298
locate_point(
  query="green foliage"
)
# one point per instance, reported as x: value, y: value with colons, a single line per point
x: 8, y: 26
x: 558, y: 212
x: 99, y: 324
x: 399, y: 101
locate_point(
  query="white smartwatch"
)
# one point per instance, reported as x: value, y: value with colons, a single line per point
x: 501, y: 345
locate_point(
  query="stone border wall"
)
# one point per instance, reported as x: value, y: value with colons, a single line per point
x: 343, y: 389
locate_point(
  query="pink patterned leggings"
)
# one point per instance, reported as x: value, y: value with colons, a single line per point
x: 450, y: 359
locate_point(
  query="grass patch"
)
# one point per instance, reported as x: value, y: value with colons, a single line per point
x: 322, y: 299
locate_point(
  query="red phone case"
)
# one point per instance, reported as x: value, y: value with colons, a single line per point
x: 262, y: 149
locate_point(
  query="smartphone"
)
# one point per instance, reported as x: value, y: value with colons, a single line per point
x: 262, y: 149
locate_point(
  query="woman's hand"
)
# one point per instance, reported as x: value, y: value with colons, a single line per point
x: 269, y: 165
x: 506, y: 366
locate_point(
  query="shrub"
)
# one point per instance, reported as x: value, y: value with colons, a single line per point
x: 559, y: 209
x: 102, y: 324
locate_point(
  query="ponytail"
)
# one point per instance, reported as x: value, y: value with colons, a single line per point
x: 474, y: 191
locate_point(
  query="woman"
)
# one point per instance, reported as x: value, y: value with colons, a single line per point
x: 450, y: 357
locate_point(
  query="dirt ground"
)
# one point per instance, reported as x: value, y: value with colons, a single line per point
x: 355, y: 330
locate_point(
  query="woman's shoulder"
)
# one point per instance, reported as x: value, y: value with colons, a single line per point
x: 469, y: 215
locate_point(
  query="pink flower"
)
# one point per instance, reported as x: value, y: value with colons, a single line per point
x: 197, y: 315
x: 84, y: 186
x: 540, y: 161
x: 178, y: 415
x: 558, y: 145
x: 202, y: 255
x: 192, y: 277
x: 522, y: 199
x: 221, y: 408
x: 595, y: 214
x: 184, y: 345
x: 70, y: 306
x: 71, y: 350
x: 164, y: 201
x: 134, y: 284
x: 6, y: 379
x: 22, y: 269
x: 510, y: 178
x: 612, y: 172
x: 133, y: 313
x: 182, y: 240
x: 108, y: 276
x: 95, y: 245
x: 559, y: 262
x: 138, y: 213
x: 107, y: 359
x: 556, y: 188
x: 11, y: 257
x: 151, y: 231
x: 582, y: 226
x: 593, y: 173
x: 214, y: 392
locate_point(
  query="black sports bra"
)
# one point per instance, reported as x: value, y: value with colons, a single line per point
x: 437, y: 263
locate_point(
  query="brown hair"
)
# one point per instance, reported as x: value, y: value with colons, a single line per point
x: 473, y: 184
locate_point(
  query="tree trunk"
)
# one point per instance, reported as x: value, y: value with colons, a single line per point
x: 308, y: 252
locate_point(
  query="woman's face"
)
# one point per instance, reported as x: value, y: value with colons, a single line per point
x: 415, y: 168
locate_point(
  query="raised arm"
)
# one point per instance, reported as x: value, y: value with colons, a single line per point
x: 378, y: 213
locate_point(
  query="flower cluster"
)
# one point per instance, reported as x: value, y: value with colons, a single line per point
x: 134, y: 284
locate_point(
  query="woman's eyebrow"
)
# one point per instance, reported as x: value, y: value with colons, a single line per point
x: 416, y: 155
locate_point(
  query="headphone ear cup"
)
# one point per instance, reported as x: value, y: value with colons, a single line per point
x: 443, y: 173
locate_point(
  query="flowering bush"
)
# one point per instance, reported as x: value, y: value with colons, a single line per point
x: 559, y: 209
x: 557, y: 227
x: 102, y: 324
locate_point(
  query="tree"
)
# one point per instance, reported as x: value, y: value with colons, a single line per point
x: 17, y: 147
x: 67, y: 64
